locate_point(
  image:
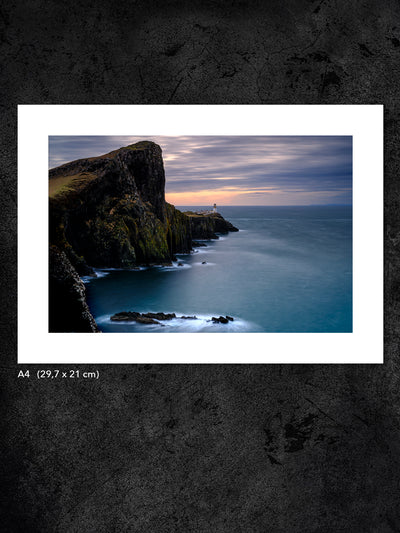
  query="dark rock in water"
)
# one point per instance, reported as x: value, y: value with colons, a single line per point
x: 68, y: 310
x: 143, y: 318
x: 229, y: 318
x: 180, y: 264
x: 160, y: 316
x: 154, y: 318
x: 221, y: 319
x: 204, y: 262
x: 125, y: 316
x: 199, y: 244
x: 146, y: 320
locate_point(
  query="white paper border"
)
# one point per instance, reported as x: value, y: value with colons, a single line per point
x: 37, y: 122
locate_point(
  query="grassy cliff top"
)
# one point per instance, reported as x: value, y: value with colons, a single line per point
x: 62, y: 185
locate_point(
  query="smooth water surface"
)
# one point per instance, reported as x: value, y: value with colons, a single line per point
x: 288, y: 269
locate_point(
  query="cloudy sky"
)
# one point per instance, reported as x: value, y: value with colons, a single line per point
x: 236, y: 170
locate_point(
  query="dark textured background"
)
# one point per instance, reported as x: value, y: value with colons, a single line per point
x: 201, y: 448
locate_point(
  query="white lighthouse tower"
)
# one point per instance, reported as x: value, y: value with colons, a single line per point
x: 215, y: 208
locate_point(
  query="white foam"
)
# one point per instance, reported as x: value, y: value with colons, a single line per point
x: 112, y: 269
x: 99, y: 274
x: 184, y: 325
x: 104, y: 319
x: 174, y: 266
x: 204, y: 323
x: 205, y: 250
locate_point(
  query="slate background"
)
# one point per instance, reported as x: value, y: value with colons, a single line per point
x: 201, y: 448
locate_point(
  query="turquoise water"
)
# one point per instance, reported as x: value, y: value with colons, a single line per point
x: 288, y: 269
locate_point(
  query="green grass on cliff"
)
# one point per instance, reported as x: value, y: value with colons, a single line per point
x: 63, y: 185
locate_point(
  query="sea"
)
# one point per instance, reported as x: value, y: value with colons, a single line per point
x: 287, y: 269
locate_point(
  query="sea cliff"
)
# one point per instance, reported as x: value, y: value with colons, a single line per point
x: 110, y: 212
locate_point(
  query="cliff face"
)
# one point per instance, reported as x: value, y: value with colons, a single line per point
x: 179, y: 235
x: 110, y: 211
x: 68, y: 310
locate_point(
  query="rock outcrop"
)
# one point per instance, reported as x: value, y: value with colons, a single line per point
x: 110, y: 211
x: 153, y: 318
x: 68, y: 310
x: 206, y: 226
x: 222, y: 319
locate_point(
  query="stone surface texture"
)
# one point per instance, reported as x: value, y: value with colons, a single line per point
x: 201, y: 448
x: 68, y: 309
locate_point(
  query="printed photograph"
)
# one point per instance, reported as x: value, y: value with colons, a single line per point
x: 191, y: 234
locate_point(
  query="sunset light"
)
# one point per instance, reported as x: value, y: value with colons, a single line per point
x: 237, y: 170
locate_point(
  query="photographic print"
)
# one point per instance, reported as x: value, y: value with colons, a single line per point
x: 200, y: 234
x: 212, y: 234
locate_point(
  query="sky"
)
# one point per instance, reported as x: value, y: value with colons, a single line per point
x: 236, y: 170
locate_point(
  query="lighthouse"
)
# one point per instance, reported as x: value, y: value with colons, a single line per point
x: 215, y: 208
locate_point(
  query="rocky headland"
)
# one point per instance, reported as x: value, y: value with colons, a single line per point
x: 207, y: 225
x: 110, y: 212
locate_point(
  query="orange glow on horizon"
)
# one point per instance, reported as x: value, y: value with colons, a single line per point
x: 236, y: 196
x: 202, y: 197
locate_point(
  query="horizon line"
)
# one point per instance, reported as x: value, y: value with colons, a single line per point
x: 264, y: 205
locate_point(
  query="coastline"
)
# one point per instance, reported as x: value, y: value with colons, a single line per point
x: 110, y: 212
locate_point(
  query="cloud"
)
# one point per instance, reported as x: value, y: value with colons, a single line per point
x: 303, y: 169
